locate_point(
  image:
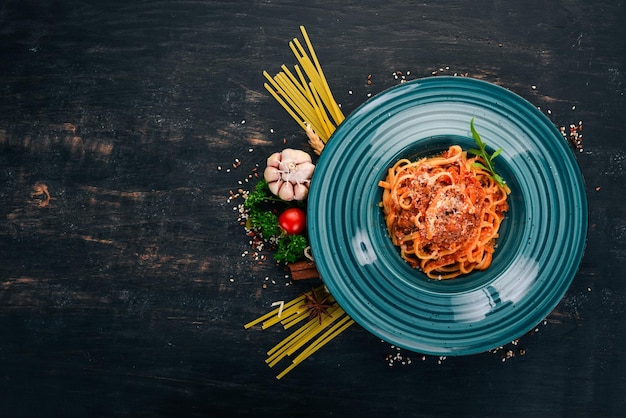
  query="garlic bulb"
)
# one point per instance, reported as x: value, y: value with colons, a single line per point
x: 288, y: 174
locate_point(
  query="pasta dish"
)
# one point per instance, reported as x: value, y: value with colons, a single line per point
x: 444, y: 212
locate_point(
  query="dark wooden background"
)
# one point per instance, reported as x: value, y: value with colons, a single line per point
x: 126, y: 292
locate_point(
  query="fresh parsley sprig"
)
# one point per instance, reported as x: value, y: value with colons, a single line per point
x: 260, y: 194
x: 484, y: 155
x: 291, y: 248
x: 261, y: 218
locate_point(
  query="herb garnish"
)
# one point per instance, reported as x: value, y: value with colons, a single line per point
x: 291, y: 248
x: 260, y: 194
x: 262, y: 219
x: 484, y: 155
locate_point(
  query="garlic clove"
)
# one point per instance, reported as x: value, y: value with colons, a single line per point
x: 274, y: 160
x: 286, y: 191
x: 295, y: 156
x: 302, y: 174
x: 300, y: 191
x: 271, y: 174
x: 275, y: 186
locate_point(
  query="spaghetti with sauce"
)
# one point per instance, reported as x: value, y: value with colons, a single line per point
x: 444, y: 212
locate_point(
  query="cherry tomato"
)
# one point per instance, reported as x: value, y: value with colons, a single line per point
x: 292, y: 221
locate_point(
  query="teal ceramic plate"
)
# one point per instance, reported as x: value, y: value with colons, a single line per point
x: 541, y: 241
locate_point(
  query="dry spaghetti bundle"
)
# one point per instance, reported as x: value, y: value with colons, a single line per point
x: 324, y: 321
x: 305, y: 94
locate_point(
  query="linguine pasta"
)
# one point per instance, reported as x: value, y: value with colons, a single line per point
x: 443, y: 213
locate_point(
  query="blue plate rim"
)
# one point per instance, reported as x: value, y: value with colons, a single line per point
x: 340, y: 287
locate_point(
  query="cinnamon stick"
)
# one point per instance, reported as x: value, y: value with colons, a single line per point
x: 302, y: 270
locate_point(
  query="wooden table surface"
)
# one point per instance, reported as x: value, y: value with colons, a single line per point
x: 123, y: 289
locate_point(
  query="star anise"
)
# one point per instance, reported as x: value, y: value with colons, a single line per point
x: 316, y: 305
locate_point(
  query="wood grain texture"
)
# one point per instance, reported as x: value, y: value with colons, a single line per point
x: 123, y: 290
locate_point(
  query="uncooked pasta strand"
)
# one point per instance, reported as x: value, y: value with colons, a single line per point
x: 307, y: 102
x: 286, y: 106
x: 327, y: 339
x: 337, y: 114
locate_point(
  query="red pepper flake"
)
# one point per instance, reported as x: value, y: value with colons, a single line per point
x: 574, y: 134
